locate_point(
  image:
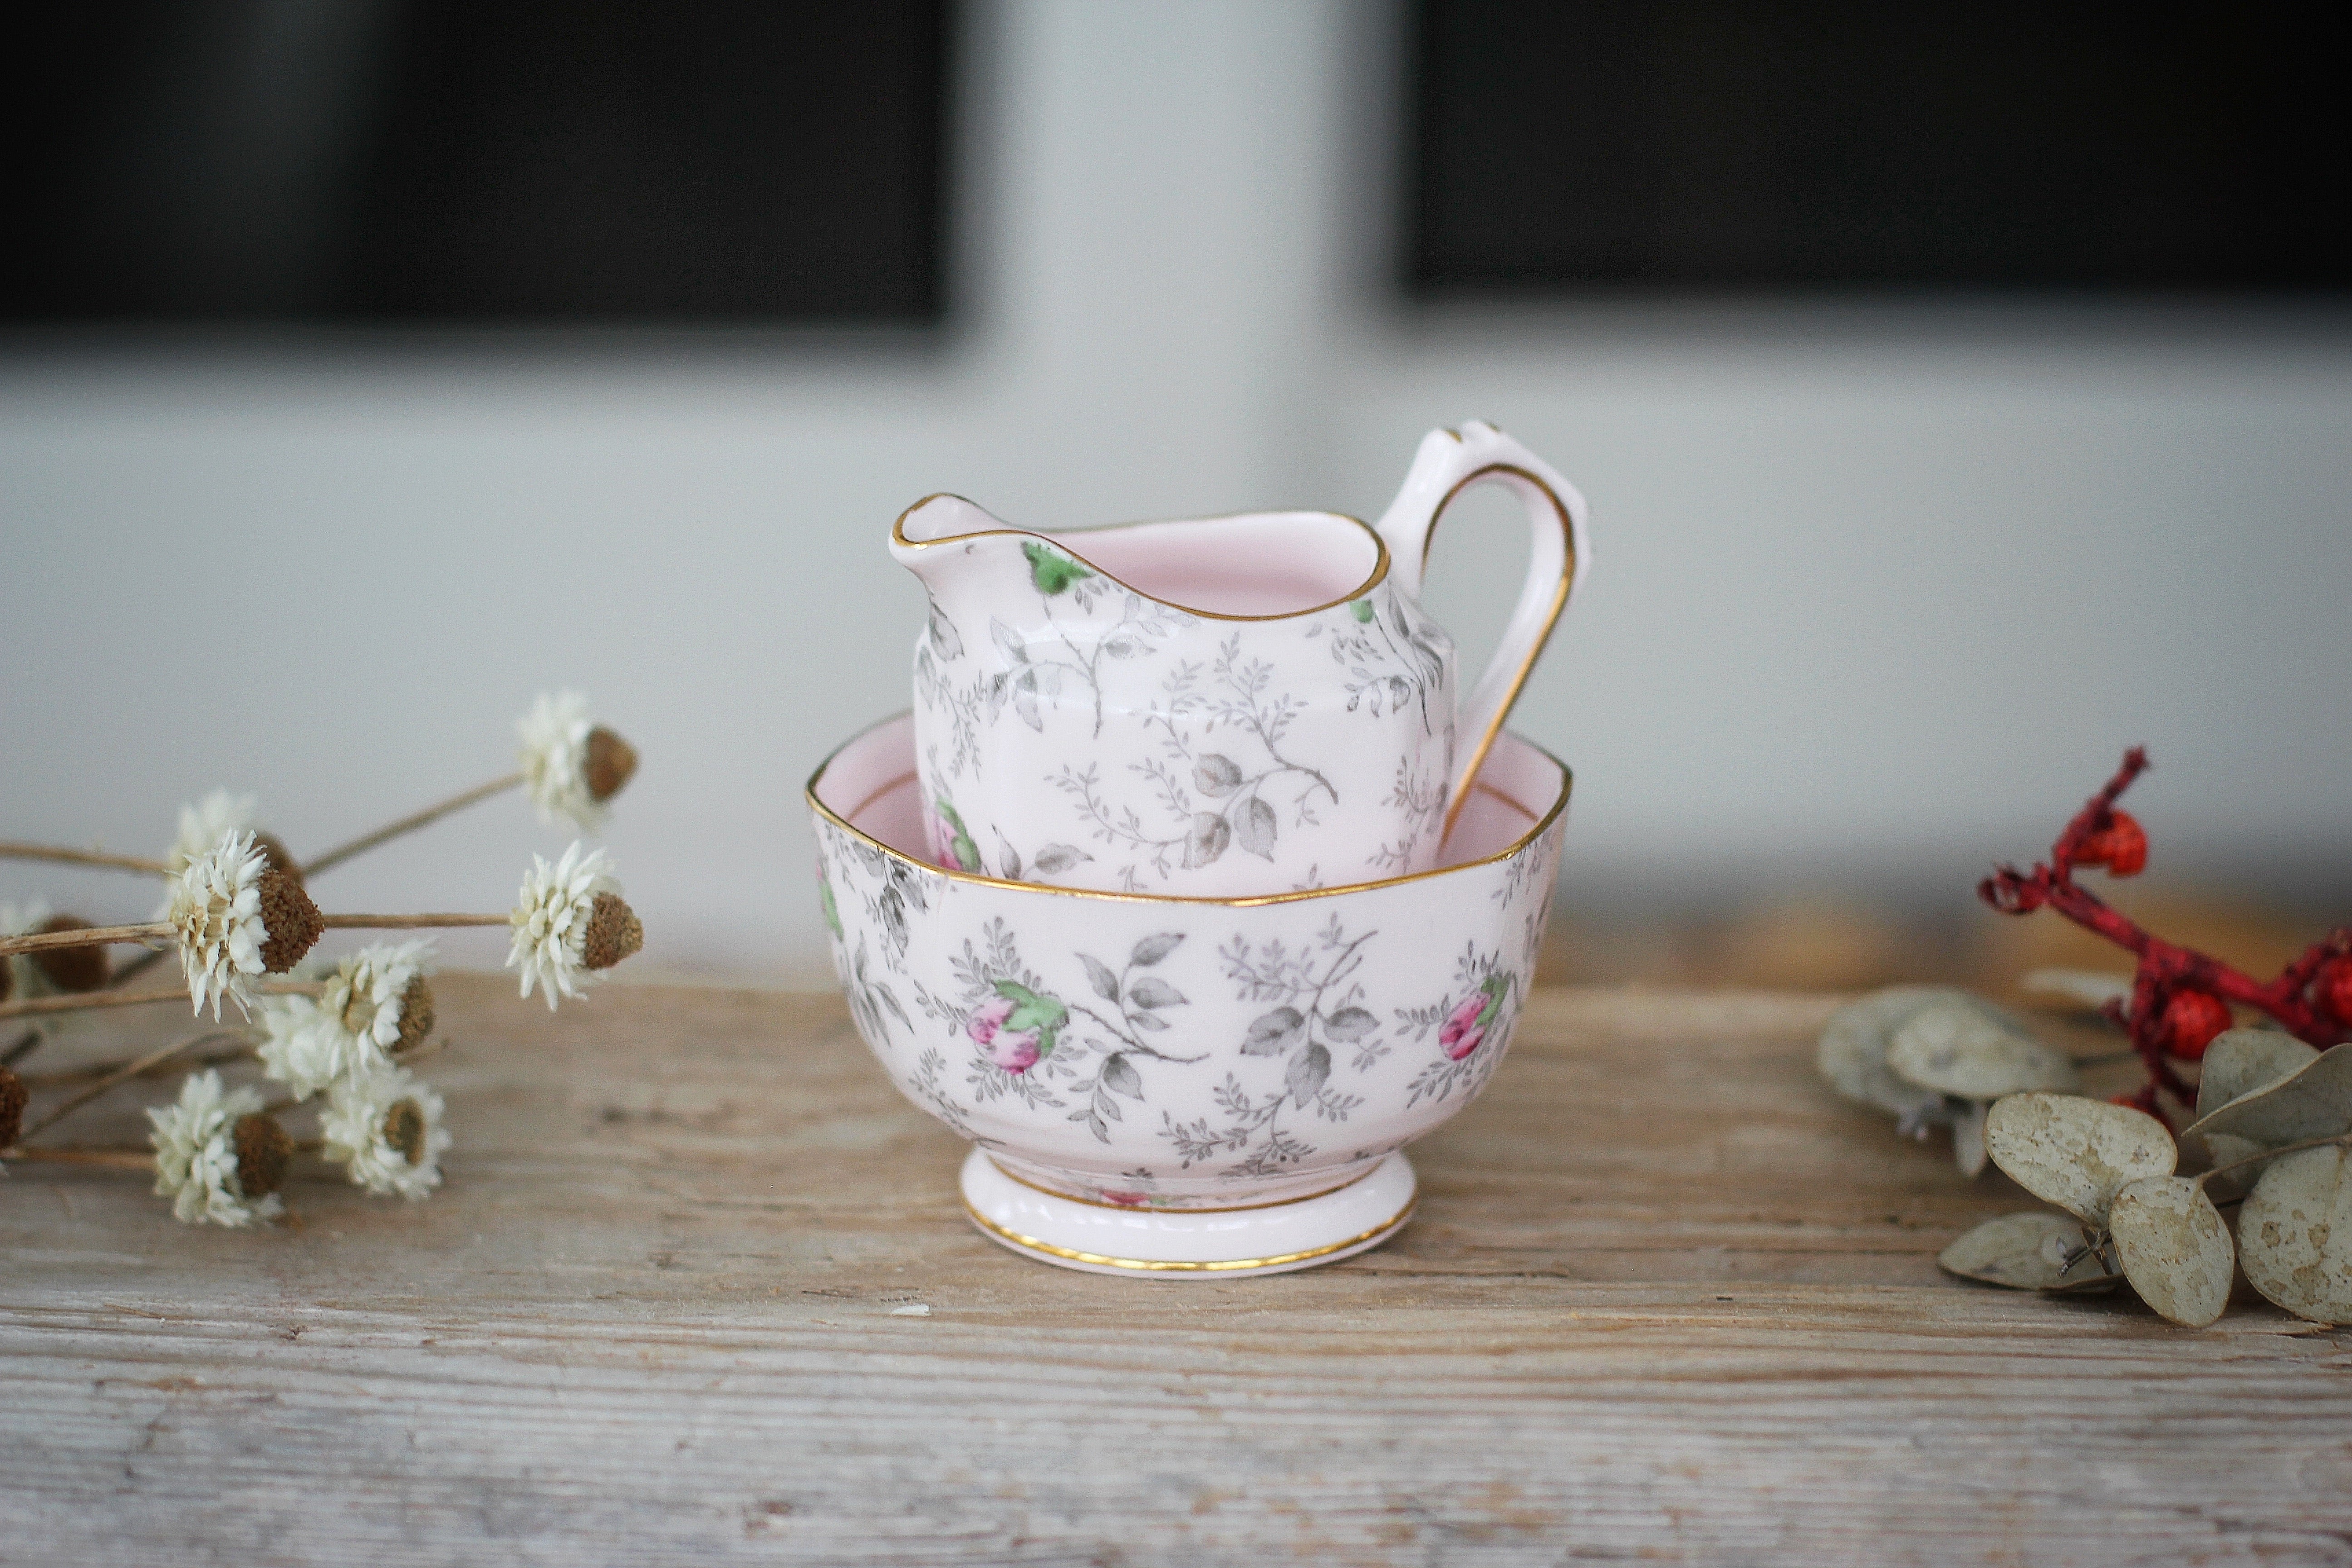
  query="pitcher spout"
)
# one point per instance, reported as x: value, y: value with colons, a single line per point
x: 941, y: 537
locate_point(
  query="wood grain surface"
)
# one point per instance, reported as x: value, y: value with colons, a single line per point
x: 1665, y: 1299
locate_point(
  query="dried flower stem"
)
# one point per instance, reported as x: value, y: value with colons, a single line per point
x: 409, y: 923
x: 16, y: 852
x: 104, y: 1159
x: 430, y: 1047
x: 147, y: 1063
x: 82, y: 1001
x: 87, y: 936
x: 66, y: 1077
x: 30, y: 1040
x: 2165, y: 968
x: 120, y: 1159
x: 2336, y: 1141
x: 410, y: 823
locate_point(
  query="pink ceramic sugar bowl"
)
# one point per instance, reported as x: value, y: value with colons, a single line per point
x: 1171, y: 1087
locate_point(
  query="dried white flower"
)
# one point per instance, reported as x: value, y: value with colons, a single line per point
x: 215, y: 911
x: 385, y: 1128
x: 205, y: 824
x: 195, y: 1155
x: 554, y: 755
x: 351, y: 1026
x: 550, y: 920
x: 303, y: 1046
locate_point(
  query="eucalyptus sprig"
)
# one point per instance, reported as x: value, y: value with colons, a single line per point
x: 2273, y: 1114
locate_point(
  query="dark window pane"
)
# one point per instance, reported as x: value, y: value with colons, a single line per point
x: 490, y: 160
x: 1689, y: 143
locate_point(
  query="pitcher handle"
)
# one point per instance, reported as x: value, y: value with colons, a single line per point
x: 1449, y: 462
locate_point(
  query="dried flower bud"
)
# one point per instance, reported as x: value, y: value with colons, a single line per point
x: 273, y: 850
x: 2191, y: 1021
x: 263, y: 1152
x: 405, y: 1129
x: 612, y: 763
x: 292, y: 921
x: 614, y: 933
x: 416, y: 1014
x: 12, y: 1106
x: 70, y: 969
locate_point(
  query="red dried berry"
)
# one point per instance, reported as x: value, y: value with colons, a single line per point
x: 2333, y: 989
x: 2121, y: 846
x: 2191, y: 1020
x: 2127, y: 847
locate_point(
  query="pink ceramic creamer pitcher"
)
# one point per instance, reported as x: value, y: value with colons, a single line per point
x: 1226, y: 706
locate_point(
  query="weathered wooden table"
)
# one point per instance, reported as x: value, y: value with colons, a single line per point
x: 1664, y: 1298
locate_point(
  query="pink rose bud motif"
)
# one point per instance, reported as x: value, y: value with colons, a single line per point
x: 951, y: 842
x: 1017, y: 1028
x: 1465, y: 1029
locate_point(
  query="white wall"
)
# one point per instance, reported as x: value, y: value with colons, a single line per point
x: 1881, y: 591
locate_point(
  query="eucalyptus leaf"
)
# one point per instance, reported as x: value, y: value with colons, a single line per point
x: 2036, y: 1251
x: 1967, y: 1138
x: 1968, y: 1050
x: 2091, y: 988
x: 2313, y: 1102
x: 2295, y: 1234
x: 2075, y: 1153
x: 1853, y: 1053
x: 2174, y: 1248
x: 2241, y: 1061
x: 2238, y: 1063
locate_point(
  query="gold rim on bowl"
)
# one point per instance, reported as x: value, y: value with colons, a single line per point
x: 1518, y: 845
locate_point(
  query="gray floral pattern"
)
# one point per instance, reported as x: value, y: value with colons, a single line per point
x: 1200, y: 1050
x: 1179, y: 750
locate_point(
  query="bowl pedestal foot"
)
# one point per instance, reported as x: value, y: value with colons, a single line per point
x: 1190, y: 1244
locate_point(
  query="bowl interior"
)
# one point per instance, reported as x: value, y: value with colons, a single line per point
x: 870, y: 784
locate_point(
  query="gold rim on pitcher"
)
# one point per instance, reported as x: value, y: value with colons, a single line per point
x: 1380, y: 562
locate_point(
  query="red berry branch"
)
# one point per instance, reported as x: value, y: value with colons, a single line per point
x: 2180, y: 997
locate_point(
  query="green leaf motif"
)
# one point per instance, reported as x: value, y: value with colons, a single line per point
x: 1051, y: 571
x: 1362, y: 610
x: 831, y: 911
x: 1497, y: 988
x: 1031, y: 1011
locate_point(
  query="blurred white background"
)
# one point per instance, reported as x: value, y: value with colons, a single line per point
x: 1882, y: 590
